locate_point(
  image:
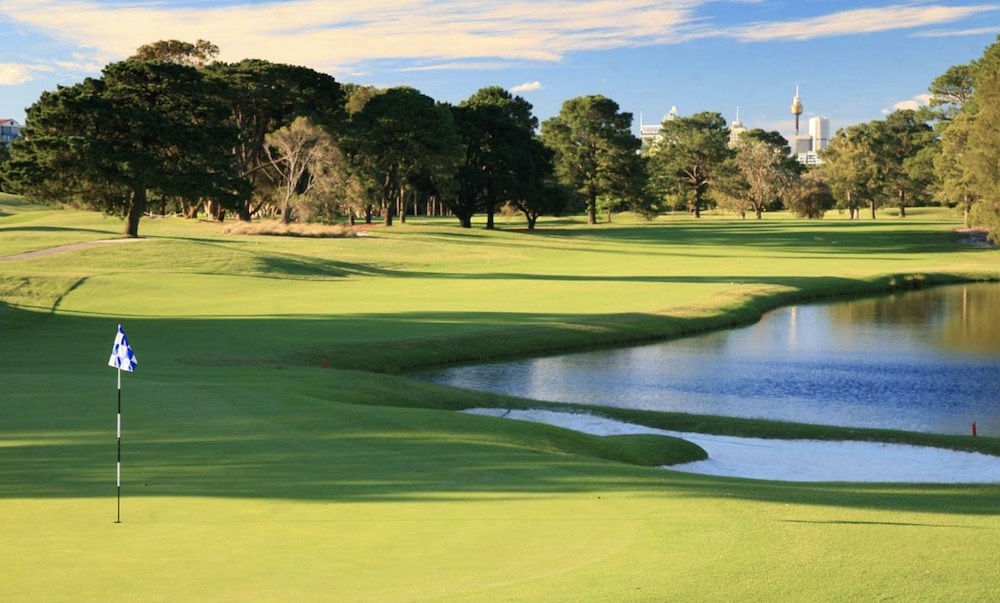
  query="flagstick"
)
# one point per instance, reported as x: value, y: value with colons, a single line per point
x: 118, y: 480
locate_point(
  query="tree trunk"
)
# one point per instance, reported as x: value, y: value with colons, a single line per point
x: 592, y: 210
x: 191, y: 210
x: 873, y: 209
x: 135, y: 210
x: 531, y: 221
x: 387, y: 213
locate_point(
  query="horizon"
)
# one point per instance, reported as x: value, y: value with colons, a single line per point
x: 851, y: 65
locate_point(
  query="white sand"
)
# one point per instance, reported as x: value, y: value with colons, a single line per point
x: 793, y: 460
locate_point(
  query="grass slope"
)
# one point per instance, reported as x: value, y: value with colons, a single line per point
x: 252, y: 473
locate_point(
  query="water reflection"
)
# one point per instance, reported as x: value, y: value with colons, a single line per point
x: 923, y: 361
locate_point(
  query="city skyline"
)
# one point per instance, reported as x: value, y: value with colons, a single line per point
x: 851, y: 64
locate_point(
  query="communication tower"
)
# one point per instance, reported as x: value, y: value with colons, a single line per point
x: 797, y: 109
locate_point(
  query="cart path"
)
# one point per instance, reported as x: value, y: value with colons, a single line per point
x: 38, y: 253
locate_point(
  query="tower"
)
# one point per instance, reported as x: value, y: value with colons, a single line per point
x: 797, y: 109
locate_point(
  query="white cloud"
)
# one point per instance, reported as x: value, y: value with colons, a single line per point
x: 330, y: 35
x: 527, y: 87
x: 12, y: 74
x: 858, y: 21
x: 912, y: 104
x: 950, y: 33
x: 349, y: 34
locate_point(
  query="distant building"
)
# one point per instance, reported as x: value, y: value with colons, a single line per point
x: 819, y: 132
x: 650, y: 133
x: 735, y: 130
x: 9, y: 130
x: 809, y: 158
x: 800, y: 143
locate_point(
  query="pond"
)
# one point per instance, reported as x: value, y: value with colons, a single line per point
x: 926, y: 360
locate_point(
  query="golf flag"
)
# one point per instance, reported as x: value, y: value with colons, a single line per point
x: 122, y: 356
x: 123, y: 359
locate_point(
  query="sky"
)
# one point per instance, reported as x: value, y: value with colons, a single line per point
x: 853, y: 60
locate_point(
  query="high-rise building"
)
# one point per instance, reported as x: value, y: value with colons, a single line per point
x: 650, y: 133
x: 735, y: 129
x: 819, y: 132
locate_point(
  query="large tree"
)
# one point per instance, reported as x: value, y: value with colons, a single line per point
x: 264, y: 97
x: 399, y: 141
x: 900, y: 148
x: 850, y: 169
x: 983, y: 144
x: 596, y: 152
x: 690, y: 154
x: 304, y: 161
x: 145, y: 129
x: 951, y: 165
x: 497, y: 131
x: 762, y: 174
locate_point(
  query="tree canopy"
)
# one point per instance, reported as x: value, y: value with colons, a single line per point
x: 690, y: 154
x: 595, y: 151
x: 144, y: 130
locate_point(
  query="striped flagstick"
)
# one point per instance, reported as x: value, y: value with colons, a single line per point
x: 123, y: 359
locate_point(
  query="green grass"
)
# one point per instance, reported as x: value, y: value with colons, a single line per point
x: 252, y: 473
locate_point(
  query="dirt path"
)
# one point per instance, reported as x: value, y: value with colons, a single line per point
x: 38, y: 253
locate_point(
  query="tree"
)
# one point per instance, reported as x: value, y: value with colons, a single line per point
x: 951, y: 90
x: 983, y: 144
x: 763, y: 173
x: 303, y: 159
x: 812, y: 196
x: 497, y: 132
x: 850, y: 169
x: 399, y: 140
x: 898, y: 145
x: 4, y: 157
x: 691, y: 152
x: 264, y: 97
x: 146, y: 129
x: 595, y: 151
x: 951, y: 165
x: 548, y: 197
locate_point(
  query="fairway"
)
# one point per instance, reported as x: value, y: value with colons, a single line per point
x: 275, y: 449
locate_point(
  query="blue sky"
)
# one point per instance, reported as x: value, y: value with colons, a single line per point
x: 854, y: 60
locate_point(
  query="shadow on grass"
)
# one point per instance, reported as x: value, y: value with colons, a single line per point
x: 350, y: 465
x: 829, y: 237
x: 194, y: 428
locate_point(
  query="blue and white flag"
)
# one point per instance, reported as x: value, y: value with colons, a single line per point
x: 122, y: 356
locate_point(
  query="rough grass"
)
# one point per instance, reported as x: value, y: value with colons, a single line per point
x: 295, y: 229
x: 252, y: 473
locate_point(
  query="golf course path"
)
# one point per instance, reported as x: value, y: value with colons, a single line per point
x: 38, y: 253
x: 793, y: 460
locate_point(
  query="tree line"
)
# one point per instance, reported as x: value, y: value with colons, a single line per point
x: 171, y: 129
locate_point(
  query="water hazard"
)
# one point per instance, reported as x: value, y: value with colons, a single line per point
x: 920, y: 361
